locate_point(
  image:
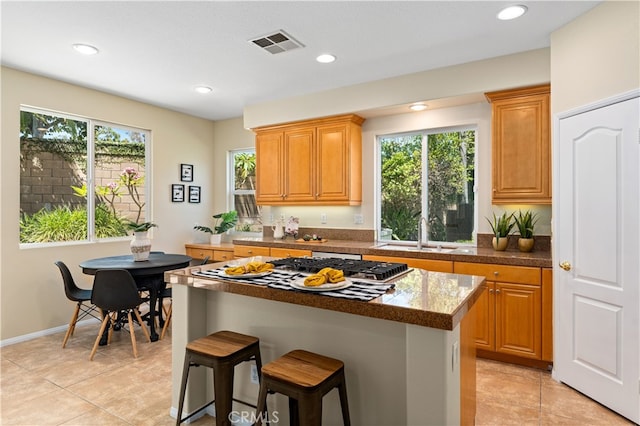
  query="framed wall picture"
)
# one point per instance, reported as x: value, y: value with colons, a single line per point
x: 194, y: 194
x: 186, y: 172
x: 177, y: 193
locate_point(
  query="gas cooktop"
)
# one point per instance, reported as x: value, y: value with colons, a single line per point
x: 365, y: 269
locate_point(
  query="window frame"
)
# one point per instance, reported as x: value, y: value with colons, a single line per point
x: 424, y: 201
x: 231, y: 187
x: 91, y: 124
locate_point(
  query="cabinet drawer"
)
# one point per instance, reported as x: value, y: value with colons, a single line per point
x: 426, y: 264
x: 248, y: 251
x: 222, y: 255
x: 282, y: 252
x: 198, y: 253
x: 502, y: 273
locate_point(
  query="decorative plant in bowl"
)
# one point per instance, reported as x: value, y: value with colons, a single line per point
x: 223, y: 223
x: 141, y: 244
x: 501, y: 227
x: 525, y: 222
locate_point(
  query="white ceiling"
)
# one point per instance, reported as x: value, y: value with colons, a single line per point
x: 157, y: 51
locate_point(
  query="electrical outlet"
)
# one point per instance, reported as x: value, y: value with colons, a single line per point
x: 358, y: 219
x: 282, y: 216
x: 254, y: 374
x: 323, y: 218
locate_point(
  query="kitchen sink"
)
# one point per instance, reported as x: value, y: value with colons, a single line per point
x: 427, y: 249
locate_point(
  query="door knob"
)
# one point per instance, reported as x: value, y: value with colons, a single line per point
x: 565, y: 265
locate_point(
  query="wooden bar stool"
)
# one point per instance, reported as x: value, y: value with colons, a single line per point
x: 304, y: 377
x: 221, y: 351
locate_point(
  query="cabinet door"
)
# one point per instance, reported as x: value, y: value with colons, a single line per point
x: 269, y: 167
x: 299, y: 149
x: 333, y: 163
x: 521, y: 150
x: 518, y: 322
x: 485, y: 317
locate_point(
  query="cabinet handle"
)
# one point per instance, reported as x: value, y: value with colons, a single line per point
x: 496, y: 273
x: 224, y: 256
x: 497, y: 291
x: 249, y: 251
x: 490, y: 291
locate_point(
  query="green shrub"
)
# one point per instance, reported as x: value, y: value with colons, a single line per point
x: 66, y: 224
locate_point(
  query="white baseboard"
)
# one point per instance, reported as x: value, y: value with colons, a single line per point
x: 42, y: 333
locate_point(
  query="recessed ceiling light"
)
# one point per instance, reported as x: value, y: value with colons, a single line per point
x: 512, y: 12
x: 418, y: 107
x: 85, y: 49
x: 203, y: 89
x: 325, y: 58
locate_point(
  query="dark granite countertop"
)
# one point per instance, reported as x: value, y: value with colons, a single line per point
x: 430, y: 299
x: 541, y: 259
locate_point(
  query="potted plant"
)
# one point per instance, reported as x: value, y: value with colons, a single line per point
x: 223, y: 223
x: 501, y: 227
x: 141, y: 244
x: 525, y: 223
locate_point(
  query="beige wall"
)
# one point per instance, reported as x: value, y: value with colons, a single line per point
x: 32, y: 298
x: 596, y: 56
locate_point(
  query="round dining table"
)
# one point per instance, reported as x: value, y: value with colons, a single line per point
x: 148, y: 275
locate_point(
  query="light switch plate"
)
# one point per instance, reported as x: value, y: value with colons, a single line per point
x: 358, y: 219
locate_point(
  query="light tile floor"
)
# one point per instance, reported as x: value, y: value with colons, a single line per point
x: 43, y: 384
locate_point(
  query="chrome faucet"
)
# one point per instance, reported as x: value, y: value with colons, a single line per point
x: 426, y: 228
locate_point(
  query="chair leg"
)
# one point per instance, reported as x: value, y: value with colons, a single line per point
x: 183, y: 387
x: 166, y: 321
x: 95, y: 345
x: 262, y: 404
x: 72, y: 324
x: 132, y: 334
x: 344, y: 403
x: 142, y: 326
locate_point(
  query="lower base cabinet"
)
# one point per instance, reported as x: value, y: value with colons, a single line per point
x: 513, y: 311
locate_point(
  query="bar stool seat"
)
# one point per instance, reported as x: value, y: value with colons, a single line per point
x: 305, y: 377
x: 221, y: 351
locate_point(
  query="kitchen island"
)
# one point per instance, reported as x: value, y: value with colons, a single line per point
x: 409, y: 354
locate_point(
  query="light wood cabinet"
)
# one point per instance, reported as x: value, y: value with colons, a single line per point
x: 214, y: 253
x: 285, y: 252
x: 314, y: 162
x: 509, y: 309
x: 521, y: 148
x: 250, y: 251
x: 432, y: 265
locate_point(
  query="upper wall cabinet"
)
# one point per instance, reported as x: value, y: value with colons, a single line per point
x: 521, y: 151
x: 314, y: 162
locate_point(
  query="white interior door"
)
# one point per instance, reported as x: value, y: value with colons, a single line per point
x: 596, y: 249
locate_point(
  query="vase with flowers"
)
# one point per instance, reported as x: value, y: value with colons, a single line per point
x: 141, y: 243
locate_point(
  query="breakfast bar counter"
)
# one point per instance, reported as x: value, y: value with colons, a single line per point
x: 409, y: 354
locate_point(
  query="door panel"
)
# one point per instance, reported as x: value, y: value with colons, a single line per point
x: 596, y: 244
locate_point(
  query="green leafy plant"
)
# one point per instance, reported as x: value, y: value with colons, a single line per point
x: 223, y: 223
x: 525, y: 222
x: 66, y: 224
x: 139, y: 227
x: 501, y: 225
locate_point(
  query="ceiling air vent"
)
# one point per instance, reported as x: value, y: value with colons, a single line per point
x: 277, y: 42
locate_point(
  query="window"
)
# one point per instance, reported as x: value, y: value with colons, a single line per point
x: 427, y: 174
x: 80, y: 179
x: 243, y: 190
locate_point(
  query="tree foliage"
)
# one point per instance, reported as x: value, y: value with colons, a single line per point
x: 450, y: 166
